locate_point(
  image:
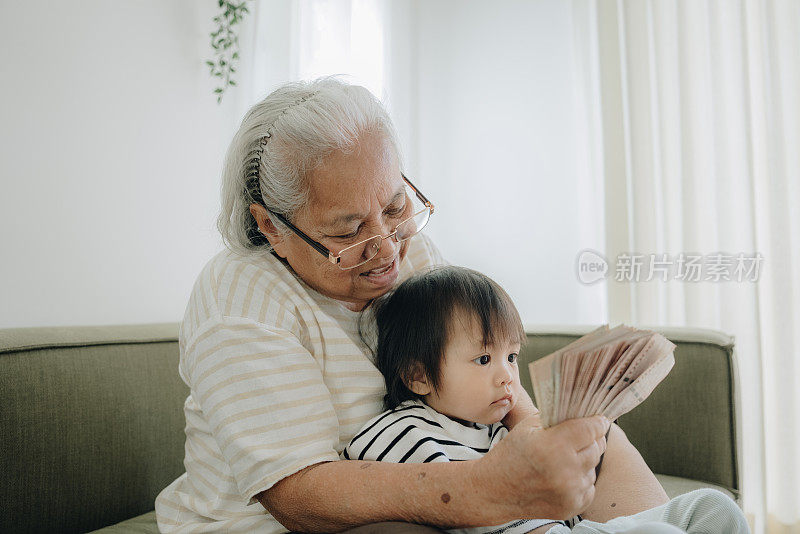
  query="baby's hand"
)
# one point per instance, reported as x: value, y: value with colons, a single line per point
x: 522, y: 408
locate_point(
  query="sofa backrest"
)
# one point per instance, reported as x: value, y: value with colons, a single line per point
x: 92, y: 419
x: 92, y: 424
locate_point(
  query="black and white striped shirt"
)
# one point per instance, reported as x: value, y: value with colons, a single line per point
x: 416, y: 433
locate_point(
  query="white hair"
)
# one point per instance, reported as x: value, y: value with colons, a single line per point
x: 280, y: 141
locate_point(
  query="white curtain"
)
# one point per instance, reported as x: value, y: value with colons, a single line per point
x: 698, y: 144
x: 304, y: 39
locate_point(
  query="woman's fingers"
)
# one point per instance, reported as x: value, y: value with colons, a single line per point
x: 552, y: 468
x: 585, y: 432
x: 590, y: 456
x: 587, y: 436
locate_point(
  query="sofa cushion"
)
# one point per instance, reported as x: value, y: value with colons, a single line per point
x: 146, y: 523
x: 142, y: 524
x: 675, y: 486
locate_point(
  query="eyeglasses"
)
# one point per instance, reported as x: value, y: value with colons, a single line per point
x: 360, y: 253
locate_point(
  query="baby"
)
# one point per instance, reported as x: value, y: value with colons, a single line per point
x: 447, y: 346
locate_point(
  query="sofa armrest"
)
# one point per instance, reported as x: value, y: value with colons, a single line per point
x: 92, y: 423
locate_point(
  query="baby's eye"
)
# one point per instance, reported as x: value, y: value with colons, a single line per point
x: 482, y: 360
x: 512, y: 357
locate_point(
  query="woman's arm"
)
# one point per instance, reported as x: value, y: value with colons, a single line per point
x: 335, y: 496
x: 530, y: 473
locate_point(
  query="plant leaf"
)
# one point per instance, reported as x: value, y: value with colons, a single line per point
x: 225, y: 42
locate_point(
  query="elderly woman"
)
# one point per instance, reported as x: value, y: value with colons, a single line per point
x: 318, y: 220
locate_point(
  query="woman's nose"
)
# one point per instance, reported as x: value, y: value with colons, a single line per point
x: 388, y: 248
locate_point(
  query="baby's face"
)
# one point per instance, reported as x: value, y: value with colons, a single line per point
x: 477, y: 380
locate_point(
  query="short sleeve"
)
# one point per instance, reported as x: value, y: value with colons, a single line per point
x: 263, y: 398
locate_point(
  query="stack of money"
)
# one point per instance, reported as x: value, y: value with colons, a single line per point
x: 606, y: 372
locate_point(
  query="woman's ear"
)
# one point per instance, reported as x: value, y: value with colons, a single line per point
x: 267, y: 228
x: 419, y: 382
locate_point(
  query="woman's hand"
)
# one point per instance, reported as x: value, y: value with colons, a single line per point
x: 545, y: 473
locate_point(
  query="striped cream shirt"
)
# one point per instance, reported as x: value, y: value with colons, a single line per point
x: 279, y: 380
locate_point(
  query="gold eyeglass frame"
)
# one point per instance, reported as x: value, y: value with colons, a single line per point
x: 337, y: 258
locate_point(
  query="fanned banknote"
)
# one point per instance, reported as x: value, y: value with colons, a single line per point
x: 606, y: 372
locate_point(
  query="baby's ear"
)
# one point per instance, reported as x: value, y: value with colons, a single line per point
x: 418, y: 383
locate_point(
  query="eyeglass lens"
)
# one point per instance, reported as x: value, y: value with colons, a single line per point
x: 361, y: 253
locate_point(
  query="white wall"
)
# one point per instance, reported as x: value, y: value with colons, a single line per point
x: 111, y: 146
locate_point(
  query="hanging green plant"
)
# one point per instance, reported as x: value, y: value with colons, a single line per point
x: 225, y: 42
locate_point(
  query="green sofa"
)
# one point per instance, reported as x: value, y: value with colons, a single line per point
x: 92, y: 421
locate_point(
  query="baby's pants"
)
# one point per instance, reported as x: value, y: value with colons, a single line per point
x: 703, y: 511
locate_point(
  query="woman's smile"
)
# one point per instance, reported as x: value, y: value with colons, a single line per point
x: 384, y: 275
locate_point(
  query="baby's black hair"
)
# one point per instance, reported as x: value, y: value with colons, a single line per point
x: 414, y: 322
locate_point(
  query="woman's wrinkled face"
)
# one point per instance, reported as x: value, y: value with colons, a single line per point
x: 352, y: 197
